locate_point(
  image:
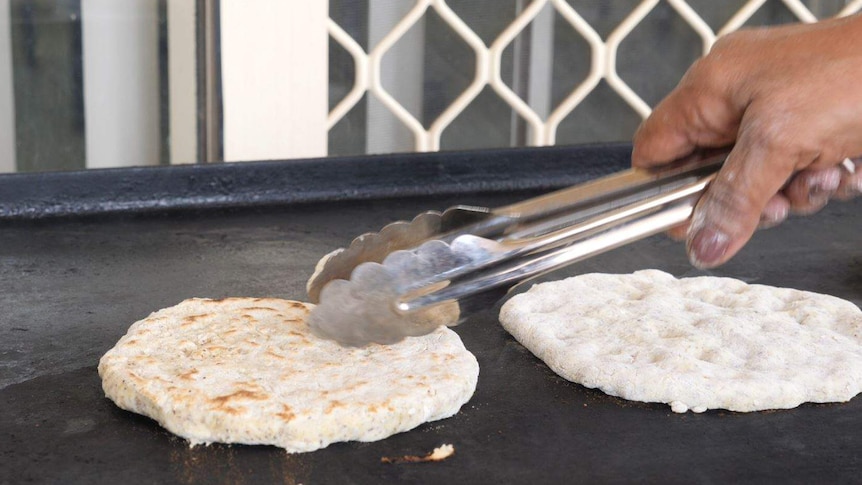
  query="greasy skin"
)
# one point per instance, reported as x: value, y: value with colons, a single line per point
x: 790, y: 99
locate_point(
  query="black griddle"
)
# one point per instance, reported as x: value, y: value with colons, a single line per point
x: 83, y: 255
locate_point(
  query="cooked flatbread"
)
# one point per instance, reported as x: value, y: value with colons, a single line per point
x: 694, y: 343
x: 247, y: 370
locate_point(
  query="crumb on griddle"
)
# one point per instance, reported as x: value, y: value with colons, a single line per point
x: 439, y: 454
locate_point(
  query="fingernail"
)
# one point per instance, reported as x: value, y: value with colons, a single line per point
x: 707, y: 247
x: 852, y: 189
x: 815, y: 203
x: 824, y: 186
x: 773, y: 216
x: 818, y: 197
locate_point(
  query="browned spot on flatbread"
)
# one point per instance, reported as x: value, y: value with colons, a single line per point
x: 132, y: 341
x: 356, y: 385
x: 187, y: 376
x: 192, y: 319
x: 233, y: 411
x: 274, y: 355
x: 332, y: 405
x: 226, y: 403
x: 286, y: 413
x: 264, y: 308
x: 199, y: 316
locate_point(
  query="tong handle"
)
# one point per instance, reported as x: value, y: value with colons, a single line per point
x: 614, y: 188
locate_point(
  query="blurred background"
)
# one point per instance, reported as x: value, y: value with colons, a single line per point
x: 106, y: 83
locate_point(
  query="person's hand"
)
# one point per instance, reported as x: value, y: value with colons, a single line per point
x: 790, y: 98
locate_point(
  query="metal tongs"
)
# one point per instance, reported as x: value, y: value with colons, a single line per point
x: 412, y: 277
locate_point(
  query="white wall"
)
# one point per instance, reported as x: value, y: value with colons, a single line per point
x: 7, y: 98
x: 182, y: 81
x: 121, y: 83
x: 274, y: 78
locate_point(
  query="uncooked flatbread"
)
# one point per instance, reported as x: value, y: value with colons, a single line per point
x: 694, y: 343
x: 245, y: 370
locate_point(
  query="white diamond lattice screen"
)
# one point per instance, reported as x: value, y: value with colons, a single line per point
x: 488, y: 62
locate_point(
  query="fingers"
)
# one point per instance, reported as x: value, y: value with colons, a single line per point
x: 851, y: 180
x: 775, y: 212
x: 807, y: 192
x: 810, y: 190
x: 678, y: 233
x: 731, y: 209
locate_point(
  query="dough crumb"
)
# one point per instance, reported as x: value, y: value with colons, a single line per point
x: 439, y: 454
x: 678, y: 407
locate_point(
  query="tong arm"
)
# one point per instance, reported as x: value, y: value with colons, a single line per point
x: 566, y: 246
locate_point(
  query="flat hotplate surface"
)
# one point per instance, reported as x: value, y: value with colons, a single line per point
x: 70, y: 288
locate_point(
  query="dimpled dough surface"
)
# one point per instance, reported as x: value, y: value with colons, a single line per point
x: 694, y: 343
x: 244, y: 370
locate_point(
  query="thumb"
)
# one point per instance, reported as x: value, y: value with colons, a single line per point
x: 729, y: 212
x: 696, y: 114
x: 664, y: 135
